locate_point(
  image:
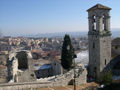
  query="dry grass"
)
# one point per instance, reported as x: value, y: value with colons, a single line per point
x: 70, y: 87
x: 3, y: 80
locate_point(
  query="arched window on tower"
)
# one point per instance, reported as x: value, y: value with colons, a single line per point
x: 103, y: 23
x: 94, y: 22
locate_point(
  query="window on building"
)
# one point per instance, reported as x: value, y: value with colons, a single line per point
x: 22, y: 60
x: 32, y: 75
x: 95, y: 69
x: 105, y: 62
x: 116, y: 47
x: 93, y: 45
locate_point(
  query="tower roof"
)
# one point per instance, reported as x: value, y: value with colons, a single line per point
x: 116, y: 41
x: 98, y: 6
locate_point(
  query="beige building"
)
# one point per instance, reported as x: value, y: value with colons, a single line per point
x: 56, y: 66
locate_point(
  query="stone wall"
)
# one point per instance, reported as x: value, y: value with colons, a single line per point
x: 42, y: 73
x: 21, y: 86
x: 59, y: 80
x: 16, y: 74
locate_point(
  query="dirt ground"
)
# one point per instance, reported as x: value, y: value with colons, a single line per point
x: 70, y: 87
x: 3, y: 80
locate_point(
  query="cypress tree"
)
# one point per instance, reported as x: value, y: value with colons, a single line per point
x: 67, y: 53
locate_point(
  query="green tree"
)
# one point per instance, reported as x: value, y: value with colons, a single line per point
x: 67, y: 53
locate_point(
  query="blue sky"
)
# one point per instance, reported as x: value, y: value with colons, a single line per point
x: 19, y: 17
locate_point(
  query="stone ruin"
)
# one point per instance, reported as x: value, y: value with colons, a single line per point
x: 20, y: 67
x: 20, y: 70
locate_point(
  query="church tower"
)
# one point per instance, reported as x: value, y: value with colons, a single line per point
x: 99, y: 37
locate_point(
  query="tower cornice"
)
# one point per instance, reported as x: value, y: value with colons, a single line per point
x: 98, y: 6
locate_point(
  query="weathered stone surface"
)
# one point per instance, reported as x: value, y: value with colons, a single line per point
x: 99, y: 6
x: 59, y: 80
x: 99, y: 36
x: 20, y: 67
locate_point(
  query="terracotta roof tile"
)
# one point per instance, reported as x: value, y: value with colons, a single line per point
x: 116, y: 41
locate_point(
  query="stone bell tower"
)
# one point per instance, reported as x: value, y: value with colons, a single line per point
x: 99, y: 36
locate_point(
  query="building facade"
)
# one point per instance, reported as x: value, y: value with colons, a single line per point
x: 56, y: 66
x: 99, y: 37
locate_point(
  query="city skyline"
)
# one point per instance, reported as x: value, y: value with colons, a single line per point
x: 50, y: 16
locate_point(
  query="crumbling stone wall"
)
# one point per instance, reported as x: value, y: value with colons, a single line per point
x: 59, y: 80
x: 64, y: 79
x: 17, y: 69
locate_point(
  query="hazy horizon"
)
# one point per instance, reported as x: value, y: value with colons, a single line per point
x: 115, y: 33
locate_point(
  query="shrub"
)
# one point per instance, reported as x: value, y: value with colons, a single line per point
x: 105, y: 78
